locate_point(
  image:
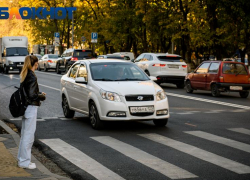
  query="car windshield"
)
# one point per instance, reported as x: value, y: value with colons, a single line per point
x: 53, y: 56
x: 117, y: 71
x: 170, y: 58
x: 234, y: 68
x: 83, y: 53
x: 16, y: 51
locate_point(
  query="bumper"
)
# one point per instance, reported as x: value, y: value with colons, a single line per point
x: 15, y: 66
x: 226, y: 86
x: 109, y: 106
x: 51, y: 65
x: 171, y: 79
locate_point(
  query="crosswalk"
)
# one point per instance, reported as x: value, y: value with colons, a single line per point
x: 170, y: 170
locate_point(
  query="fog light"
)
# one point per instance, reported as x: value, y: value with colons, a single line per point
x: 10, y: 67
x: 162, y: 112
x: 116, y: 114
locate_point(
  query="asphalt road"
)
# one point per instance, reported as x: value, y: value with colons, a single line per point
x: 206, y: 137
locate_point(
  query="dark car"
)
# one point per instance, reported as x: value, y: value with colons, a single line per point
x: 70, y: 56
x: 219, y: 76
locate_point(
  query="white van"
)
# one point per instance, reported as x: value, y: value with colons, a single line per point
x: 127, y: 55
x: 13, y: 50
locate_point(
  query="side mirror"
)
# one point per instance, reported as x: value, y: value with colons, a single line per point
x: 81, y: 80
x: 153, y: 78
x: 132, y: 60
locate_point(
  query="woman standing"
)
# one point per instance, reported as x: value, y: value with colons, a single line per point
x: 29, y: 81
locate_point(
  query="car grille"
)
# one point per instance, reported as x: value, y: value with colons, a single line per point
x: 142, y: 114
x: 139, y: 98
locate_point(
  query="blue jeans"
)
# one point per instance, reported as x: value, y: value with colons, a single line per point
x: 27, y: 136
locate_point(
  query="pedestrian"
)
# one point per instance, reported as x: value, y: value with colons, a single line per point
x: 29, y: 81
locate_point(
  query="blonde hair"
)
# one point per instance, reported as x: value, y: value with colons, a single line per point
x: 28, y: 64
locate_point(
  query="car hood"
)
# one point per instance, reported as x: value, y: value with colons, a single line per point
x: 16, y: 58
x: 129, y: 87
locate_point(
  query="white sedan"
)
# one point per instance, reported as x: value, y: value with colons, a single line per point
x: 112, y: 90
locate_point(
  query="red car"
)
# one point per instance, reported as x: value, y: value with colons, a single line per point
x: 219, y: 76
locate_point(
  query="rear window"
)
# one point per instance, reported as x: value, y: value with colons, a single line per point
x: 53, y: 56
x: 115, y: 57
x: 233, y: 68
x: 83, y: 53
x: 170, y: 58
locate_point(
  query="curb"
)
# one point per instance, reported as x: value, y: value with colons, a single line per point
x: 39, y: 165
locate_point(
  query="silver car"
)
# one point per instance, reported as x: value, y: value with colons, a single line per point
x: 48, y: 61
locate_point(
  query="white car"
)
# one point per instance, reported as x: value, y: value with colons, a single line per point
x: 48, y: 61
x: 112, y: 90
x: 167, y: 68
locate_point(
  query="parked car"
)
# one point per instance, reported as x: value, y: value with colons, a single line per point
x: 48, y: 61
x: 112, y: 90
x: 70, y: 56
x: 167, y: 68
x: 219, y: 76
x: 127, y: 55
x: 38, y: 56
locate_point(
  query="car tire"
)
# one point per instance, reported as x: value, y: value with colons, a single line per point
x: 6, y: 70
x: 160, y: 122
x: 189, y: 87
x: 180, y: 85
x: 94, y: 118
x: 68, y: 113
x: 215, y: 90
x: 45, y: 69
x: 57, y: 69
x: 244, y: 94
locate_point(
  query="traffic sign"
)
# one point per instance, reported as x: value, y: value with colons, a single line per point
x: 83, y: 39
x: 93, y: 40
x: 57, y: 34
x: 94, y: 35
x: 56, y: 41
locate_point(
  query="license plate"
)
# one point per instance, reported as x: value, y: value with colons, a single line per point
x: 173, y: 66
x: 142, y: 109
x: 235, y: 87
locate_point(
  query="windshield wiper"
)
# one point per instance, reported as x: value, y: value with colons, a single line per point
x: 104, y: 79
x: 130, y: 79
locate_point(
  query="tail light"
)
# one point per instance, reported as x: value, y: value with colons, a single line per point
x: 50, y: 61
x: 158, y: 78
x: 74, y: 59
x: 184, y: 66
x: 221, y: 79
x: 159, y: 65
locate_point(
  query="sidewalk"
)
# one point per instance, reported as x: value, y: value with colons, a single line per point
x: 8, y: 160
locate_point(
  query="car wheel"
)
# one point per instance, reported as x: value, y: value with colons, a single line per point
x: 180, y: 85
x: 95, y: 121
x: 57, y: 69
x: 244, y: 94
x: 160, y: 122
x: 215, y: 91
x: 66, y: 110
x: 189, y: 87
x: 45, y: 69
x: 6, y: 70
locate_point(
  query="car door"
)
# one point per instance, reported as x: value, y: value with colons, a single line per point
x: 200, y: 76
x: 69, y: 85
x: 81, y: 91
x: 61, y: 61
x: 212, y: 74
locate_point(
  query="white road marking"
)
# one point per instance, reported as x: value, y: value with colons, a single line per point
x: 214, y: 111
x: 240, y: 130
x: 209, y: 101
x: 200, y: 153
x: 239, y: 110
x: 188, y: 112
x: 66, y: 119
x: 39, y: 84
x: 225, y: 141
x: 19, y: 119
x: 81, y: 160
x: 146, y: 159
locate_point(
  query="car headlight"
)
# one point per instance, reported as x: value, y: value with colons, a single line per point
x: 110, y: 96
x: 10, y: 62
x: 160, y: 95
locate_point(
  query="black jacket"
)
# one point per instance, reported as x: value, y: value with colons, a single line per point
x: 32, y: 90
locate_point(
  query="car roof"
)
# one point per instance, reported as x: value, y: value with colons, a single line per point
x: 224, y: 62
x: 103, y: 60
x: 163, y: 54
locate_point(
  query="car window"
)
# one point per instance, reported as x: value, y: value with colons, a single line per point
x: 82, y: 72
x: 69, y: 54
x: 151, y: 58
x: 139, y: 57
x: 233, y: 68
x: 53, y: 56
x: 126, y: 58
x: 203, y: 68
x: 214, y: 68
x: 73, y: 71
x: 169, y: 58
x: 146, y: 57
x: 83, y: 53
x: 45, y: 57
